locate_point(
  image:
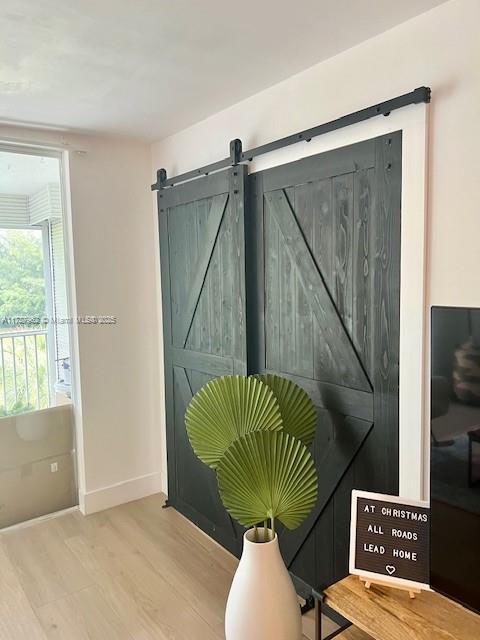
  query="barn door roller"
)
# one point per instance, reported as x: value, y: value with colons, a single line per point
x: 237, y: 155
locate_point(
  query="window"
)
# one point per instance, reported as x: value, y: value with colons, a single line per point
x: 34, y: 322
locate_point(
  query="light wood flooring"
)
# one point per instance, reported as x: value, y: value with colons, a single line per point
x: 135, y: 572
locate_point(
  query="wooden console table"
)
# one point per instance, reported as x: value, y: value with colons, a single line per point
x: 383, y: 613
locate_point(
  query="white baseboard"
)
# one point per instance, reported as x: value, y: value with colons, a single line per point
x: 48, y: 516
x: 119, y: 493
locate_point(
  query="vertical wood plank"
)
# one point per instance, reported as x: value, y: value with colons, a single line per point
x: 226, y: 284
x: 287, y: 311
x: 323, y: 246
x: 288, y: 315
x: 215, y: 299
x: 305, y: 564
x: 325, y: 543
x: 323, y: 241
x: 191, y: 256
x: 192, y: 247
x: 203, y: 210
x: 163, y: 229
x: 343, y: 243
x: 388, y: 183
x: 303, y: 203
x: 176, y: 225
x: 341, y: 511
x: 363, y: 268
x: 237, y: 195
x: 257, y: 284
x: 272, y: 292
x: 364, y: 465
x: 304, y: 207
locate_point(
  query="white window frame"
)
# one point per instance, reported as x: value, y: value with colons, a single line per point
x: 60, y: 155
x: 51, y: 329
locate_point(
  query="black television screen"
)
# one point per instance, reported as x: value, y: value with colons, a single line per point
x: 455, y: 454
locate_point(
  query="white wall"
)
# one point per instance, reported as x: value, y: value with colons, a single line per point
x: 115, y: 274
x: 122, y: 447
x: 440, y: 49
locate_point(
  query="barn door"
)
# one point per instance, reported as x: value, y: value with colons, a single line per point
x: 202, y: 250
x: 324, y: 262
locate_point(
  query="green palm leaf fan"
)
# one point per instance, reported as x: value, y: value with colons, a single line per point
x: 267, y: 475
x: 226, y: 409
x: 299, y: 416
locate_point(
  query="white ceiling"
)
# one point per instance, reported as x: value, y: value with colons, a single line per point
x: 148, y: 68
x: 21, y: 174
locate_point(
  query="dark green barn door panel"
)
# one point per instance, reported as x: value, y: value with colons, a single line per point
x: 323, y: 275
x: 202, y: 248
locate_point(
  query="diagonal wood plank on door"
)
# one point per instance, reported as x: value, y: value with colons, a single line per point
x: 337, y: 458
x: 183, y: 385
x: 351, y: 371
x: 214, y: 221
x: 206, y: 362
x: 342, y: 400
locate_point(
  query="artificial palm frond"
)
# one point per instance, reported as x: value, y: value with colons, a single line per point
x: 299, y: 416
x: 226, y: 409
x: 267, y: 475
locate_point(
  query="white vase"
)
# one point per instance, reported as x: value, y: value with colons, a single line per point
x: 262, y: 604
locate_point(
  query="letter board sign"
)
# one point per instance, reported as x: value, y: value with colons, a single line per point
x: 390, y: 539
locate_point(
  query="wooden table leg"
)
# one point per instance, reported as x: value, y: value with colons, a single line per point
x: 318, y: 619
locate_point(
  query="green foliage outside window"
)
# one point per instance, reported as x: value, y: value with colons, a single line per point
x: 23, y: 366
x: 22, y: 283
